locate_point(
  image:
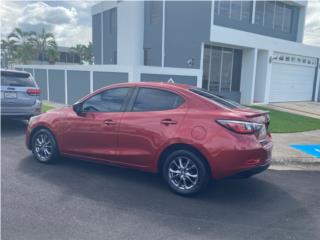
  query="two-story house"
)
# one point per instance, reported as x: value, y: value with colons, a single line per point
x: 249, y: 51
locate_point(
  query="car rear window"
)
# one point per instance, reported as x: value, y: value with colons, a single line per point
x: 16, y: 79
x: 218, y: 99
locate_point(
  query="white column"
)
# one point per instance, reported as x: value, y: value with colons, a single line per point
x: 199, y: 77
x: 268, y: 78
x: 253, y: 11
x: 317, y: 92
x: 248, y: 72
x: 48, y: 88
x: 65, y: 87
x: 102, y: 38
x: 91, y: 81
x: 163, y: 32
x: 262, y: 76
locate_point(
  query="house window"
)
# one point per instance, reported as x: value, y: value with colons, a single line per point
x: 219, y: 67
x: 112, y: 20
x: 155, y: 12
x: 274, y: 15
x: 236, y: 10
x: 259, y: 13
x: 246, y: 11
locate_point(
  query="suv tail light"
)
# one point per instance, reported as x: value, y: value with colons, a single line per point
x: 242, y: 127
x: 33, y: 92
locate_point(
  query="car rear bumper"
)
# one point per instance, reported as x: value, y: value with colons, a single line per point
x: 22, y: 111
x: 252, y: 171
x: 243, y: 158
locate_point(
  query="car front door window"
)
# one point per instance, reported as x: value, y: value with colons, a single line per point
x: 111, y: 100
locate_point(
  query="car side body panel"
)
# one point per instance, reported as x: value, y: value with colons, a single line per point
x: 139, y: 138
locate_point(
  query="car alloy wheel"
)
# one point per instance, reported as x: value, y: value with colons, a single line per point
x: 186, y: 172
x: 43, y: 147
x: 183, y: 173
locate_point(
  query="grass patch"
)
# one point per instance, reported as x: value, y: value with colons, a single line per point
x: 46, y: 108
x: 284, y: 122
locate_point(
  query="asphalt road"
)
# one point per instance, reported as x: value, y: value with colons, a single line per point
x: 81, y: 200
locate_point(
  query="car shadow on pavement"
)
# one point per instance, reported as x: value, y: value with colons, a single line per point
x: 12, y: 127
x: 254, y: 202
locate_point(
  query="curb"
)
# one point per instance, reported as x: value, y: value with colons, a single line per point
x: 311, y: 164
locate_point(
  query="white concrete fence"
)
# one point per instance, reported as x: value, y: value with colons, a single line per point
x: 68, y: 83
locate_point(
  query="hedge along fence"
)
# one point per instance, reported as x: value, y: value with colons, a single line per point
x: 68, y: 83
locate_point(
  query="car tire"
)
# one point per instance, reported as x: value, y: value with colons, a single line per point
x: 185, y: 172
x: 44, y: 146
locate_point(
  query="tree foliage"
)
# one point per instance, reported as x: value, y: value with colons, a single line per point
x: 21, y: 47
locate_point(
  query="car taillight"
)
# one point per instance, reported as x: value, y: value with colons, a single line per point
x: 33, y: 92
x: 242, y: 127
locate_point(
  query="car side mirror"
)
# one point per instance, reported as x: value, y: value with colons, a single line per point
x: 78, y: 109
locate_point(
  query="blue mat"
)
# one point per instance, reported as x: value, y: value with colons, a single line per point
x: 313, y: 150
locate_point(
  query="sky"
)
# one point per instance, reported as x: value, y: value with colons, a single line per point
x: 70, y: 21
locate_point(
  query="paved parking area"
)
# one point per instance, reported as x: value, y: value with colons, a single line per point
x: 80, y: 200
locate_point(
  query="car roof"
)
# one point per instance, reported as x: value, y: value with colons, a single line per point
x: 13, y: 71
x: 173, y: 86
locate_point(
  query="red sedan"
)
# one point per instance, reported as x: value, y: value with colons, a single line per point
x: 187, y: 134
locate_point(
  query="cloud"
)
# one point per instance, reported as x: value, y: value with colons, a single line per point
x: 312, y: 27
x: 70, y: 21
x: 62, y: 21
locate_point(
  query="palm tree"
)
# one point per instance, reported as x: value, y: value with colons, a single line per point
x: 44, y: 41
x: 79, y: 50
x: 23, y: 44
x: 7, y: 51
x: 53, y: 55
x: 84, y: 52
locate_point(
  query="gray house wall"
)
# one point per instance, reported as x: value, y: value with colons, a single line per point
x: 56, y: 86
x: 152, y: 44
x: 40, y: 76
x: 102, y: 79
x: 190, y: 80
x: 96, y: 38
x: 187, y: 25
x: 110, y: 36
x: 78, y: 85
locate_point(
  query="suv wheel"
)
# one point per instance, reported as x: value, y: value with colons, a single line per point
x: 44, y: 147
x: 185, y: 172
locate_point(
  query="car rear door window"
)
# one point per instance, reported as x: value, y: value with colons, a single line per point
x: 111, y: 100
x: 150, y: 99
x: 15, y: 79
x: 218, y: 99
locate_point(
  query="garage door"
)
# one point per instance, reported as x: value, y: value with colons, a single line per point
x: 292, y: 78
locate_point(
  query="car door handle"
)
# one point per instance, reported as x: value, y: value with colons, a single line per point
x: 109, y: 122
x: 168, y: 122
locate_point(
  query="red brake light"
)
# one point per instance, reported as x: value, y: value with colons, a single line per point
x: 33, y: 92
x: 240, y: 126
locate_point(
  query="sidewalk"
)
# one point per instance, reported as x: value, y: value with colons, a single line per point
x: 309, y: 109
x: 285, y: 156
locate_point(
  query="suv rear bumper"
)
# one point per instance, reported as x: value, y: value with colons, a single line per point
x: 22, y: 111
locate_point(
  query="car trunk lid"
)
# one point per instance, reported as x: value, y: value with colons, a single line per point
x: 18, y: 89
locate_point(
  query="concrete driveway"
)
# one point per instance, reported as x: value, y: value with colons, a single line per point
x: 310, y: 109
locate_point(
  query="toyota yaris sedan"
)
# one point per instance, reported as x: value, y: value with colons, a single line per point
x: 186, y: 134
